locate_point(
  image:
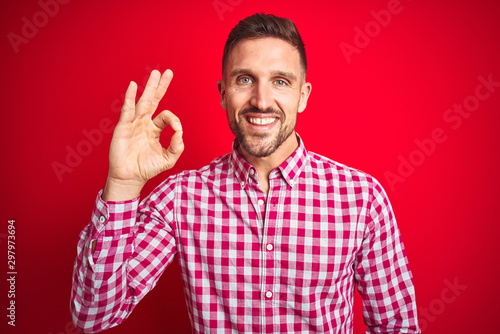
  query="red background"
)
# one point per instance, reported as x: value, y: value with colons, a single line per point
x: 367, y: 113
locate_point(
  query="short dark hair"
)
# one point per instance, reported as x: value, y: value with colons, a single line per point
x: 265, y: 25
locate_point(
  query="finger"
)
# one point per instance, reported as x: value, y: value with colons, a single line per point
x: 128, y: 109
x: 165, y: 80
x: 167, y: 118
x: 144, y: 104
x: 174, y: 150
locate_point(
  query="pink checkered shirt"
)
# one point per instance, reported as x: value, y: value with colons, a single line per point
x: 287, y: 262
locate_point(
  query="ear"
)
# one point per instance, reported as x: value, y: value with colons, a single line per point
x: 221, y: 87
x: 305, y: 91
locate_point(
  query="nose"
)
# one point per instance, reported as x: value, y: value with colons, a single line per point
x: 262, y: 96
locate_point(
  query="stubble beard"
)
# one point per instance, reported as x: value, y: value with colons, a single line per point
x: 264, y: 148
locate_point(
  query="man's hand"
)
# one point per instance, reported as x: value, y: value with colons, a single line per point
x: 136, y: 155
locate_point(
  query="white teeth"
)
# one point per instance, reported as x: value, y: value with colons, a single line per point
x: 261, y: 121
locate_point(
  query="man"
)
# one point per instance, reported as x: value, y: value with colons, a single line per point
x: 270, y: 238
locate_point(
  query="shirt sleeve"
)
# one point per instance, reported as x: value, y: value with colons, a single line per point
x: 134, y: 245
x: 382, y: 272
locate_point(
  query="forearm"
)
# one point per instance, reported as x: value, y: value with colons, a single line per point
x: 111, y: 280
x: 102, y: 273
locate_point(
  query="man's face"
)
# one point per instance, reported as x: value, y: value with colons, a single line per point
x: 262, y: 92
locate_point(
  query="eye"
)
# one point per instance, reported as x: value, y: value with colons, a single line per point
x: 245, y: 80
x: 280, y: 82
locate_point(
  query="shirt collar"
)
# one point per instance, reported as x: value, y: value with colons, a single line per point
x: 290, y: 169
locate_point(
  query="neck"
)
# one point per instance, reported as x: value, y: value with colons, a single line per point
x: 266, y: 165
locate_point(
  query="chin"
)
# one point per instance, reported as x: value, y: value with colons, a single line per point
x: 259, y: 147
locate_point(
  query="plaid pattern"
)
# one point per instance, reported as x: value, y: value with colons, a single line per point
x: 283, y: 263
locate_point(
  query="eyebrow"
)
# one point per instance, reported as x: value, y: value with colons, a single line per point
x: 288, y: 75
x: 239, y: 71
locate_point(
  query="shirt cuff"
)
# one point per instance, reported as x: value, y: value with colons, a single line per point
x: 114, y: 215
x: 111, y: 219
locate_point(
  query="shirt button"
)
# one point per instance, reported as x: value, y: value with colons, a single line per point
x: 261, y: 202
x: 102, y: 219
x: 252, y: 172
x: 269, y: 294
x: 291, y: 182
x: 269, y: 247
x: 242, y: 184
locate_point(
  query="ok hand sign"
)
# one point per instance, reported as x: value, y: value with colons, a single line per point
x: 135, y: 154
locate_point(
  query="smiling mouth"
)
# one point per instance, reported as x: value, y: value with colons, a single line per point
x: 261, y: 120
